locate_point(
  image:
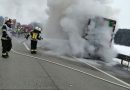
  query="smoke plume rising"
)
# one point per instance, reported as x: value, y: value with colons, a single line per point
x: 67, y: 22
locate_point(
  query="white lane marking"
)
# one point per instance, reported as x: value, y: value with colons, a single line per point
x: 23, y: 42
x: 74, y: 69
x: 97, y: 69
x: 26, y: 46
x: 107, y: 73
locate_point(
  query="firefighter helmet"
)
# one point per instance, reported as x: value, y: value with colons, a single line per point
x: 40, y: 29
x: 36, y: 28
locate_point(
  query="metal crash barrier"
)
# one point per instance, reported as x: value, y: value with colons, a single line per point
x: 124, y: 58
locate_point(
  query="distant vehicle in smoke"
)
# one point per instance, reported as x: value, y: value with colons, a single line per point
x: 26, y: 28
x: 111, y: 23
x: 93, y: 33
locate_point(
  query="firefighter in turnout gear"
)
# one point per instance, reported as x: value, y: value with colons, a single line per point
x: 6, y: 39
x: 35, y: 36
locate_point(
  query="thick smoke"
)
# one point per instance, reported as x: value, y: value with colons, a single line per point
x: 68, y: 22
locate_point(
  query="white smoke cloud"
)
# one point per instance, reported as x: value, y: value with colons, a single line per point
x: 67, y: 21
x: 25, y: 11
x: 66, y: 24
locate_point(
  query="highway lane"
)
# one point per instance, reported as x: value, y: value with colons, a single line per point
x: 25, y: 72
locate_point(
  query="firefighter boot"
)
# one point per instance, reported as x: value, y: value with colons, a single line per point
x: 35, y: 51
x: 32, y: 51
x: 4, y: 55
x: 7, y: 54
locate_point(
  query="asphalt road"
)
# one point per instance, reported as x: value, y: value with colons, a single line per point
x: 49, y: 72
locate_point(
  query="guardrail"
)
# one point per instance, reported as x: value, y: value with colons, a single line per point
x: 124, y: 58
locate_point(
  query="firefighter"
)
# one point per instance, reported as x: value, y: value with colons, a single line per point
x: 6, y: 39
x: 35, y: 36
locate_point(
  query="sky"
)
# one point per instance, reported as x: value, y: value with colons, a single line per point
x: 122, y: 13
x: 25, y: 11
